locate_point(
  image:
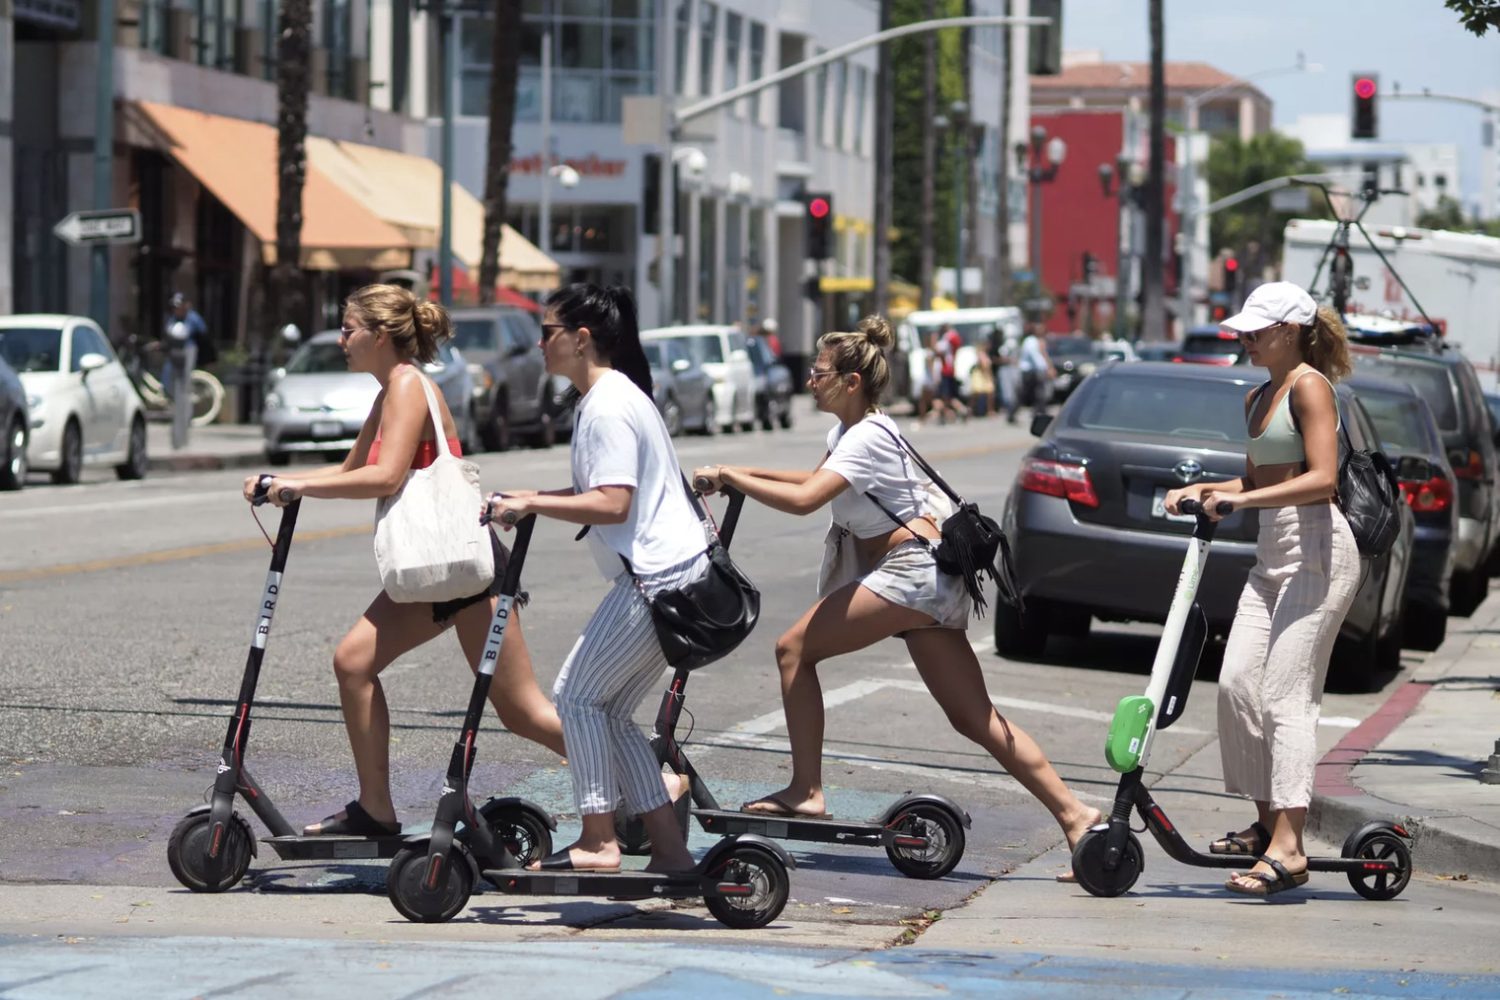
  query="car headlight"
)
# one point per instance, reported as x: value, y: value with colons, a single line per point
x: 483, y: 381
x: 273, y: 401
x: 34, y: 402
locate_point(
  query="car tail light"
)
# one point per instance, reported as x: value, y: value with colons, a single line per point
x: 1467, y: 466
x: 1059, y: 479
x: 1428, y: 497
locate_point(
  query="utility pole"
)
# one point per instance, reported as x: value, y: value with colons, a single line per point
x: 1153, y: 306
x: 884, y: 179
x: 929, y: 156
x: 1002, y: 210
x: 104, y: 154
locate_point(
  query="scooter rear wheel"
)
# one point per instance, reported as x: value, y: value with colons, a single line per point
x: 522, y: 831
x: 944, y: 836
x: 755, y: 888
x: 1089, y: 867
x: 404, y: 884
x: 187, y: 853
x: 1383, y: 844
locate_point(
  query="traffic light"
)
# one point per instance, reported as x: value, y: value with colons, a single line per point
x: 1231, y: 277
x: 1364, y: 120
x: 817, y: 211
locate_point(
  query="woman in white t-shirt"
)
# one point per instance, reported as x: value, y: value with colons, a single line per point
x: 894, y: 588
x: 628, y: 489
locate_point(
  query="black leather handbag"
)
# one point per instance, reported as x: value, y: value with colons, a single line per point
x: 705, y: 620
x: 1368, y: 493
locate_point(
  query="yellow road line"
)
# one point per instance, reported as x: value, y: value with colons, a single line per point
x: 168, y: 555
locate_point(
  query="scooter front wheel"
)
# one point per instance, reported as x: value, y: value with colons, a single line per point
x: 1090, y: 870
x: 405, y: 884
x: 187, y: 853
x: 522, y: 831
x: 924, y: 841
x: 1382, y: 844
x: 748, y: 888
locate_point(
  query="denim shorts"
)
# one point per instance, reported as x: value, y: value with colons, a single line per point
x: 909, y: 576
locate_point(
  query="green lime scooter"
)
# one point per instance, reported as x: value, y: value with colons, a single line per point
x: 1108, y: 859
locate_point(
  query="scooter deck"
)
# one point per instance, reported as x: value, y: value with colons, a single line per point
x: 724, y: 822
x: 298, y: 847
x: 625, y: 884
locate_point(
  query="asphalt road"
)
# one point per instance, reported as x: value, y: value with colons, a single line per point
x: 126, y: 609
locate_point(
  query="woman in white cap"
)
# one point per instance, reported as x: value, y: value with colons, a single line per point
x: 1306, y: 572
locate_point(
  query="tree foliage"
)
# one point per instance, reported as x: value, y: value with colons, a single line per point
x: 1477, y: 16
x: 906, y: 90
x: 1233, y: 165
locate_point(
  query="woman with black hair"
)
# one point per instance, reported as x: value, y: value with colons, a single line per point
x: 628, y: 490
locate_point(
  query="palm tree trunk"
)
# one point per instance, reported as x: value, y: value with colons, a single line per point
x: 884, y: 167
x: 1153, y: 303
x: 929, y: 153
x: 1002, y: 208
x: 505, y: 58
x: 293, y: 54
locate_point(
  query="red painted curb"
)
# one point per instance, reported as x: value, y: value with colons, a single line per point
x: 1332, y: 775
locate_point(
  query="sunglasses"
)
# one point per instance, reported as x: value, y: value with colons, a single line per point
x: 548, y: 329
x: 1252, y: 336
x: 819, y: 373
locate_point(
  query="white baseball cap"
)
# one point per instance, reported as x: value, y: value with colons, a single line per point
x: 1272, y: 303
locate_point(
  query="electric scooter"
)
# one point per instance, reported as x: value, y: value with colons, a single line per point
x: 742, y: 880
x: 211, y: 848
x: 923, y: 835
x: 1108, y: 859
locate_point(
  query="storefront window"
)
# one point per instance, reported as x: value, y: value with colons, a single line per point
x: 336, y: 39
x: 601, y: 50
x: 154, y: 26
x: 708, y: 23
x: 684, y: 25
x: 734, y: 27
x: 757, y: 62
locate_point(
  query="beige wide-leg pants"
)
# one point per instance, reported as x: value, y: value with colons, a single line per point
x: 1307, y: 570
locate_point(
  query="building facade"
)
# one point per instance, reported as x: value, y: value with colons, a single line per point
x: 738, y: 240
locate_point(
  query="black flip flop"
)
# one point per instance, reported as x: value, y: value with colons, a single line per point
x: 354, y: 823
x: 562, y: 861
x: 778, y: 809
x: 1234, y: 844
x: 1281, y: 881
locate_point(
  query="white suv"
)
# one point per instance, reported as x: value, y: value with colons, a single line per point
x: 721, y: 352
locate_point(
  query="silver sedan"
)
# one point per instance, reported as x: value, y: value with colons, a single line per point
x: 317, y: 405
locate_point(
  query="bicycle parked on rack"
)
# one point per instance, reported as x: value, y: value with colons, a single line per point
x: 142, y: 361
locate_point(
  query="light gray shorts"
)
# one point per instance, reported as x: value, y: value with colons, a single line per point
x: 909, y: 576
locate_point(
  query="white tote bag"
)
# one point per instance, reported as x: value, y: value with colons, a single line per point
x: 429, y: 544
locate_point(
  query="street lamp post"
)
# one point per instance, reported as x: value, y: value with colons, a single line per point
x: 1124, y: 178
x: 957, y: 124
x: 1039, y: 161
x: 544, y: 243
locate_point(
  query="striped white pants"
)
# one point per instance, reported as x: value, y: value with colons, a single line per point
x: 613, y: 665
x: 1306, y: 573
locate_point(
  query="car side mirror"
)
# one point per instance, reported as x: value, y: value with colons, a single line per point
x: 277, y: 374
x: 92, y: 362
x: 1040, y: 423
x: 681, y: 365
x: 1412, y: 469
x: 519, y: 349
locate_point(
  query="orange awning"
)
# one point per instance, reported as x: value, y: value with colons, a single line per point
x: 235, y: 160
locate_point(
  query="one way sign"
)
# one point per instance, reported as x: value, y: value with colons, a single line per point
x: 113, y: 225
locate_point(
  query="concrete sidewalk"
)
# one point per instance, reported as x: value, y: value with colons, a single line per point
x: 216, y: 446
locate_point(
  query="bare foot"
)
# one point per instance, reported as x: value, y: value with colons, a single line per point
x: 788, y: 802
x: 678, y: 785
x: 575, y: 858
x: 1074, y: 831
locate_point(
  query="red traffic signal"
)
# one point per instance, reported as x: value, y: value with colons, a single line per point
x: 818, y: 225
x: 818, y: 208
x: 1364, y: 121
x: 1364, y: 87
x: 1231, y: 265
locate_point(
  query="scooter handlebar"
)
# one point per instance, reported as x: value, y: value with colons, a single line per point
x: 262, y: 492
x: 1196, y: 507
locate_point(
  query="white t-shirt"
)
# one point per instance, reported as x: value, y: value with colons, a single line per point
x: 871, y: 461
x: 619, y: 439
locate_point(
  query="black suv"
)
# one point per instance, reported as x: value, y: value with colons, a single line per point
x: 512, y: 393
x: 1446, y: 380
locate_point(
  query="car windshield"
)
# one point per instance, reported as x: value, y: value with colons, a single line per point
x: 1210, y: 343
x: 1196, y: 409
x: 1070, y: 347
x: 1429, y: 379
x: 318, y: 359
x: 476, y: 335
x: 1398, y: 419
x: 653, y: 354
x: 705, y: 348
x: 31, y: 349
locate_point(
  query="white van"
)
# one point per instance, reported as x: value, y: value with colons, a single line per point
x: 722, y: 354
x: 916, y: 329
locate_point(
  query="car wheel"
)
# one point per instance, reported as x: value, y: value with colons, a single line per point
x: 671, y: 415
x: 497, y: 435
x: 545, y: 435
x: 1426, y: 627
x: 13, y: 455
x: 1467, y: 591
x: 784, y: 416
x: 278, y: 458
x: 1022, y: 632
x: 710, y: 417
x: 136, y: 460
x: 71, y: 469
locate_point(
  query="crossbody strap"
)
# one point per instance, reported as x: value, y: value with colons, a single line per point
x: 923, y: 464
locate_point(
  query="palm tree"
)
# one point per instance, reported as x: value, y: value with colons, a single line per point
x: 293, y: 56
x: 884, y: 187
x: 1002, y: 210
x: 929, y: 153
x: 505, y: 58
x: 1153, y: 301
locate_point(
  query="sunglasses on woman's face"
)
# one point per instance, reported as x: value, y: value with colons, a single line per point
x: 1252, y: 336
x: 548, y: 329
x: 817, y: 374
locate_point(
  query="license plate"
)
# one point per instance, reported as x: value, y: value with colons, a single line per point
x: 327, y: 429
x: 1159, y: 508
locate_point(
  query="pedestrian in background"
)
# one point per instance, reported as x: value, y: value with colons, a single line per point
x: 390, y: 334
x: 982, y: 379
x: 629, y: 492
x: 183, y: 327
x: 879, y: 581
x: 768, y: 328
x: 1035, y: 371
x: 1306, y: 572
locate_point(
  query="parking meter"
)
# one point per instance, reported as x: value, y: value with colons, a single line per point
x: 182, y: 354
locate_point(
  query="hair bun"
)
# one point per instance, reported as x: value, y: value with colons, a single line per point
x: 877, y: 330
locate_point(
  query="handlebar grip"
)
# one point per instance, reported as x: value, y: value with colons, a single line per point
x: 702, y: 484
x: 285, y: 495
x: 1196, y: 507
x: 261, y: 494
x: 509, y: 517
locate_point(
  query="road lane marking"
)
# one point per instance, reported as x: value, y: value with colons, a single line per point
x: 170, y: 555
x: 112, y: 505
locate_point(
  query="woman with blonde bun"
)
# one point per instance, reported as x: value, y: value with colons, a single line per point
x: 389, y: 333
x: 892, y: 588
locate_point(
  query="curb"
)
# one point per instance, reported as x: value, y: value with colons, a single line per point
x: 203, y: 462
x: 1442, y: 843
